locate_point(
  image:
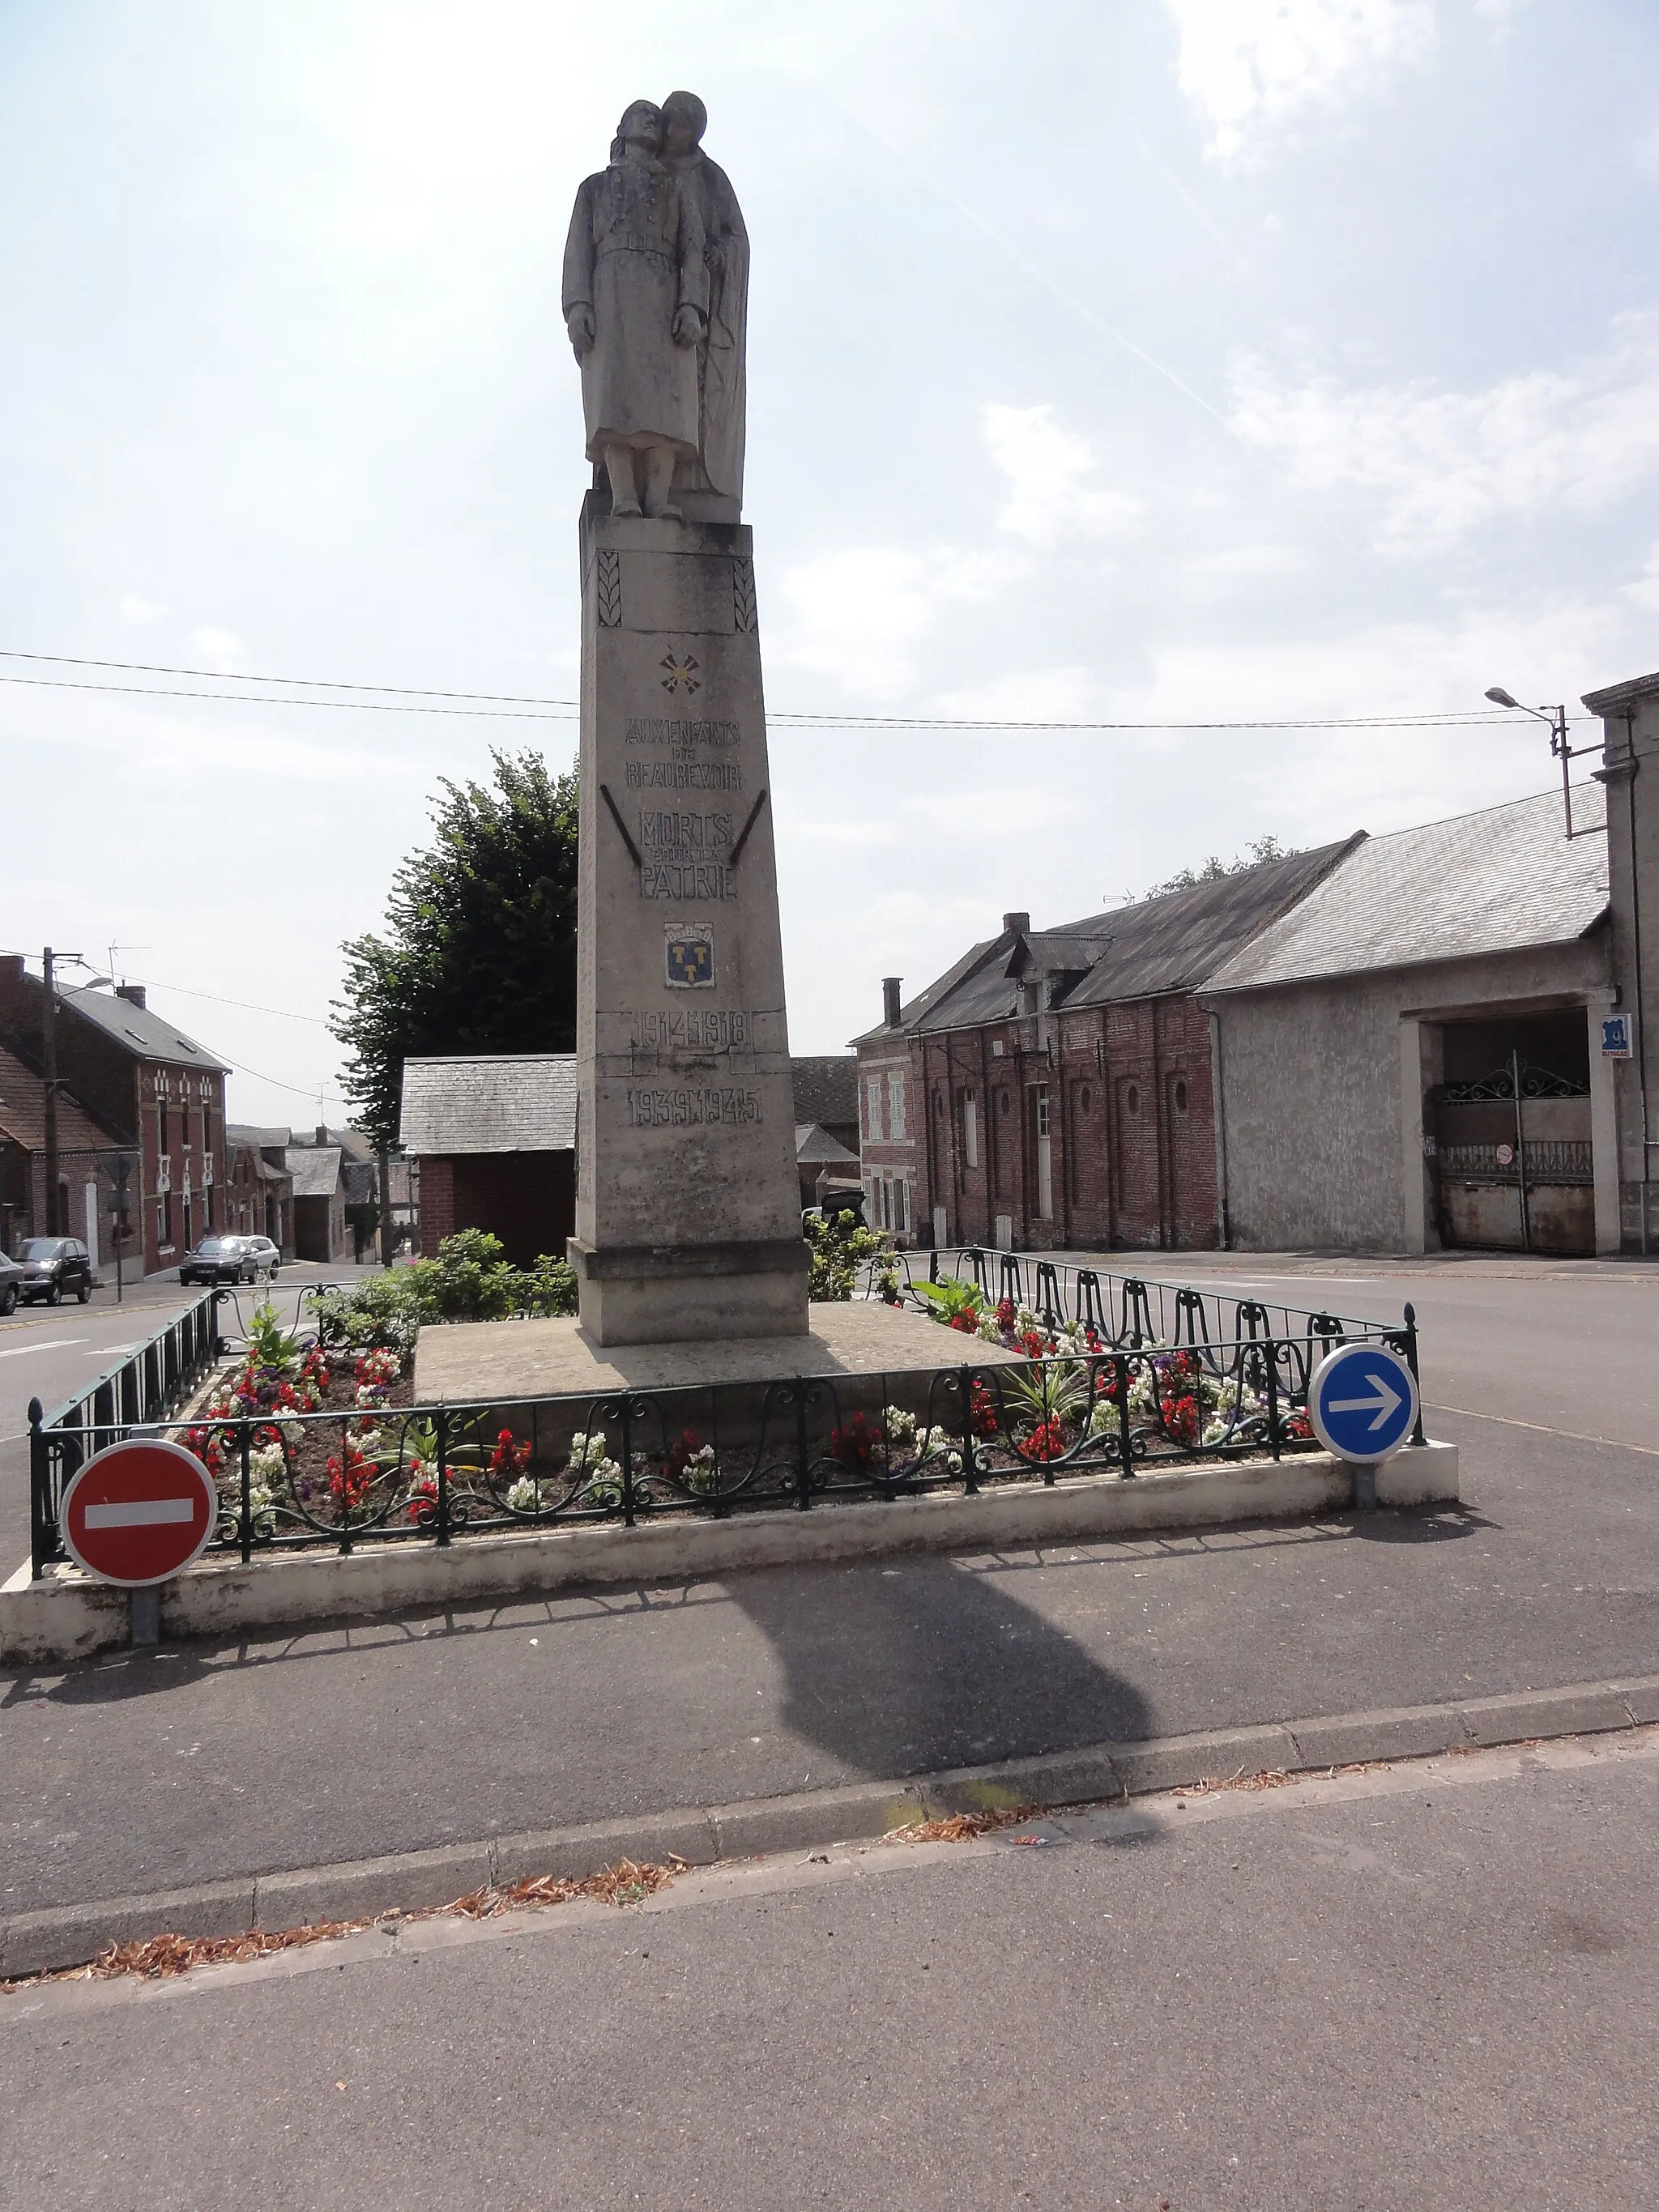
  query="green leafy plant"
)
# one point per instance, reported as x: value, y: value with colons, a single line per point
x: 1056, y: 1390
x: 953, y: 1302
x: 268, y: 1344
x: 469, y: 1280
x: 840, y: 1248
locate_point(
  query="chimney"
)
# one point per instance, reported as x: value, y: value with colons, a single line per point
x: 11, y: 966
x: 890, y: 999
x: 1016, y: 925
x: 322, y: 1133
x: 132, y: 993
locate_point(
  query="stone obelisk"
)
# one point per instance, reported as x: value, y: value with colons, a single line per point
x: 688, y: 1205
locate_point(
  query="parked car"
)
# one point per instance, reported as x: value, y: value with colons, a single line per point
x: 11, y: 1284
x: 52, y: 1266
x: 229, y: 1259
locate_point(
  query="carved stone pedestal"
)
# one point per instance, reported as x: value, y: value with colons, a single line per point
x: 688, y: 1206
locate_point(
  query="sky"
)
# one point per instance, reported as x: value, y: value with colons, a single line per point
x: 1130, y: 361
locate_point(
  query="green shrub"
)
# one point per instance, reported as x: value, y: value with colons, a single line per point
x: 839, y: 1247
x: 469, y: 1280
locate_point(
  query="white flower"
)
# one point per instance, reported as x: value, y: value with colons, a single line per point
x: 901, y: 1427
x: 525, y: 1495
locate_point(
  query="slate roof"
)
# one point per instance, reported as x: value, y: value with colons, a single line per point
x: 826, y: 1088
x: 140, y: 1030
x: 523, y: 1101
x: 1172, y: 943
x: 1491, y: 882
x: 258, y: 1141
x: 816, y: 1148
x: 315, y: 1170
x: 24, y: 1112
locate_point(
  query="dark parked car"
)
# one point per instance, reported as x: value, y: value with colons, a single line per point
x: 51, y: 1266
x: 11, y: 1284
x: 229, y: 1259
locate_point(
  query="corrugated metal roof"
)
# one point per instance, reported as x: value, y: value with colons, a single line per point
x: 913, y: 1009
x: 523, y: 1101
x: 826, y: 1087
x: 315, y: 1170
x: 140, y: 1030
x: 1491, y: 882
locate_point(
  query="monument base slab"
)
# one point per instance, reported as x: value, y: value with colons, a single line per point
x: 490, y: 1360
x: 692, y: 1293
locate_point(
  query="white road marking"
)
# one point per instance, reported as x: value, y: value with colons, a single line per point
x: 142, y: 1513
x: 107, y: 1351
x: 52, y: 1344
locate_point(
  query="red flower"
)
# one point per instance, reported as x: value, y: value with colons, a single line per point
x: 967, y: 1323
x: 1007, y: 1315
x: 510, y: 1458
x: 856, y: 1445
x: 681, y: 1455
x: 982, y: 1410
x: 1033, y: 1343
x: 1045, y: 1441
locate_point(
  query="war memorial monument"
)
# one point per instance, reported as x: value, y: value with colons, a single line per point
x: 687, y: 1247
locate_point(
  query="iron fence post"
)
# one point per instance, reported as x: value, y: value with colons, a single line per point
x: 1126, y: 1450
x: 245, y: 1426
x: 627, y: 1461
x: 1417, y: 1437
x: 970, y: 1465
x: 39, y: 1477
x: 803, y: 1477
x: 441, y: 1427
x: 1273, y: 1397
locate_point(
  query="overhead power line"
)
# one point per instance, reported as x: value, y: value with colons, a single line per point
x: 506, y: 706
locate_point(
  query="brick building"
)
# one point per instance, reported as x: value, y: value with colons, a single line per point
x: 86, y: 1149
x: 1053, y: 1089
x: 495, y: 1140
x: 159, y: 1095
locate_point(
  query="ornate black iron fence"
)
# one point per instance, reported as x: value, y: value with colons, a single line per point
x: 1128, y: 1310
x: 140, y: 1389
x: 1076, y: 1400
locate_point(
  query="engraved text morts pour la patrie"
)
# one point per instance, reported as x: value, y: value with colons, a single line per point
x: 688, y: 1208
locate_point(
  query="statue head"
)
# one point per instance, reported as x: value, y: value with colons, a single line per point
x: 684, y: 120
x: 640, y: 126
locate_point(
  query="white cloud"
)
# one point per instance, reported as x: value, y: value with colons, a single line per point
x: 860, y: 616
x: 136, y: 611
x: 1047, y: 470
x: 1254, y: 65
x: 1445, y: 462
x: 220, y: 648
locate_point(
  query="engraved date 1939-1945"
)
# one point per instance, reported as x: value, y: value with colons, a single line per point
x: 695, y: 1109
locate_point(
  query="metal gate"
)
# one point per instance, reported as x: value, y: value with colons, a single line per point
x: 1512, y: 1163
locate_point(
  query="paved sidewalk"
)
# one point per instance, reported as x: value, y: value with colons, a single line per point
x: 141, y: 1773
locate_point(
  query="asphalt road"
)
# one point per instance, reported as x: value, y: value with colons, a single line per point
x: 1422, y: 1994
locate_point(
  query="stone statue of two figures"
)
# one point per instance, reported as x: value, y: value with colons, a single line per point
x: 656, y: 298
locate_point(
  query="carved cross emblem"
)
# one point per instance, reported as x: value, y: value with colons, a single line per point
x: 680, y: 676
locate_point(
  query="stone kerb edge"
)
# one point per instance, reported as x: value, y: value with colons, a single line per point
x: 67, y: 1617
x: 68, y: 1936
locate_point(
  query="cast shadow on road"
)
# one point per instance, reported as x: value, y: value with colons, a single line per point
x: 1422, y: 1524
x: 909, y: 1667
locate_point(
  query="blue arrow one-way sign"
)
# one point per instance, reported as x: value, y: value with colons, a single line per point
x: 1363, y: 1402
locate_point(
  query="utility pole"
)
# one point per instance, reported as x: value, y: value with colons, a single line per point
x: 49, y: 1061
x: 385, y: 1207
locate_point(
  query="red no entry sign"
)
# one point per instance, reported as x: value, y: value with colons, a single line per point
x: 139, y: 1511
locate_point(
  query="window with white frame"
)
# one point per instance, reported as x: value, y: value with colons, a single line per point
x: 896, y: 1105
x: 970, y: 1128
x: 873, y: 1108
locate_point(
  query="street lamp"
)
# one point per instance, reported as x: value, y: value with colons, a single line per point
x: 1556, y: 719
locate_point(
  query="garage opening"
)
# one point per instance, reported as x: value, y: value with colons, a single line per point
x: 1512, y: 1166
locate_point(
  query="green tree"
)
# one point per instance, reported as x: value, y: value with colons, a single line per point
x: 479, y: 950
x: 1188, y: 879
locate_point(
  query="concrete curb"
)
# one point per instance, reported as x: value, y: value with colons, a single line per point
x: 70, y: 1617
x: 70, y: 1934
